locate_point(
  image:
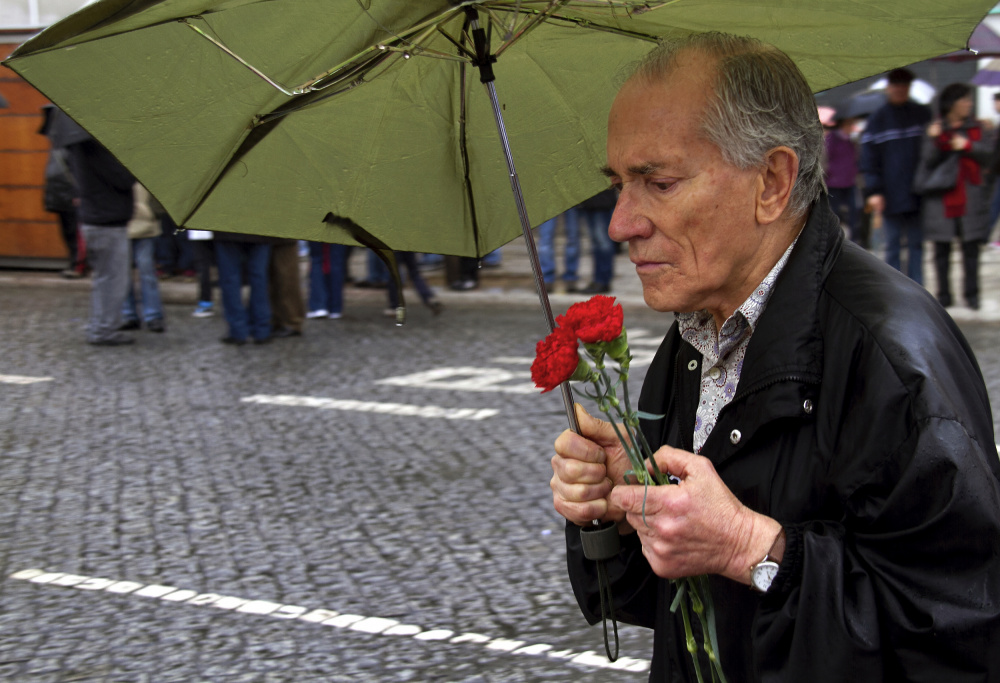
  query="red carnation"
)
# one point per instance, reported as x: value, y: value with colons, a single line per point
x: 556, y: 359
x: 599, y: 319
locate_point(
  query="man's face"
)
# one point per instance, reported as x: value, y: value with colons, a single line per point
x: 897, y: 93
x: 687, y: 215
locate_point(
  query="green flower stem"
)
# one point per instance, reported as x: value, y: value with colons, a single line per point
x: 693, y: 593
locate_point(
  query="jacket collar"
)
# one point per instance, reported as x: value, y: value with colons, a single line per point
x: 787, y: 340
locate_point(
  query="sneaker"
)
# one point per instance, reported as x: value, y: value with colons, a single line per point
x: 318, y: 313
x: 334, y: 316
x: 129, y: 325
x: 156, y: 325
x: 596, y: 288
x: 203, y: 310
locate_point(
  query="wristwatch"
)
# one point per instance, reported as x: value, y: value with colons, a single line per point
x: 763, y: 573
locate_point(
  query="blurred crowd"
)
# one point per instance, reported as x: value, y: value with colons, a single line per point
x: 906, y: 174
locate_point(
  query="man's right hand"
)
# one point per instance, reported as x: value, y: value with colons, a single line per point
x: 876, y: 203
x: 585, y: 468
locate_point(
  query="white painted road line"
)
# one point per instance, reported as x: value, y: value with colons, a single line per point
x: 374, y: 407
x: 492, y: 380
x: 355, y: 622
x: 21, y: 379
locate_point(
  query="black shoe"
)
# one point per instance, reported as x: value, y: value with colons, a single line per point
x: 156, y: 325
x: 113, y: 341
x: 129, y: 325
x: 233, y: 340
x: 944, y: 300
x: 974, y: 303
x: 596, y: 288
x: 262, y: 340
x: 571, y: 288
x: 282, y: 332
x: 435, y: 306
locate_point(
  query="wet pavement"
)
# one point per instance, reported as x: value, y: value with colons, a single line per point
x: 362, y: 503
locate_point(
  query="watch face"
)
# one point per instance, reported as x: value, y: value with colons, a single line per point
x: 763, y: 574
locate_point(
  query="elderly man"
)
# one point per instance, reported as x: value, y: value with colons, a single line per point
x: 827, y: 421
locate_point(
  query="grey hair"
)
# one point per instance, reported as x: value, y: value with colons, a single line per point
x: 761, y: 101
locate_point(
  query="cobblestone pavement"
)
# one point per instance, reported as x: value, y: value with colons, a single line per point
x: 419, y: 529
x: 143, y: 464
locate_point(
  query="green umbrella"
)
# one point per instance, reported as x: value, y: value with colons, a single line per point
x: 271, y: 116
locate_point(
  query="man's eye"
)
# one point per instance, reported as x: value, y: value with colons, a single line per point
x: 662, y: 185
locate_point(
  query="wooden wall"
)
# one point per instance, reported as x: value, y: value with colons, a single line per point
x: 27, y: 230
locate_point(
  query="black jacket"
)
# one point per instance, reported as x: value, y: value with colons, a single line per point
x: 105, y: 186
x: 862, y: 424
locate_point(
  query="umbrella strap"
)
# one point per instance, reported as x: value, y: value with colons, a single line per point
x: 607, y: 609
x: 601, y: 542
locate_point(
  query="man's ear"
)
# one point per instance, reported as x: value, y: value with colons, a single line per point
x: 781, y: 168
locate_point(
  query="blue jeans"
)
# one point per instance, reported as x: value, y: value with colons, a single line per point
x: 898, y: 227
x: 253, y: 320
x: 546, y: 248
x: 326, y: 276
x: 597, y: 221
x: 152, y: 307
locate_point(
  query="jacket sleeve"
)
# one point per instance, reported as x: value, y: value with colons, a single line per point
x: 871, y: 160
x: 906, y: 586
x: 633, y: 584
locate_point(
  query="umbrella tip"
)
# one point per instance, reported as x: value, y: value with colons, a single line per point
x: 400, y: 315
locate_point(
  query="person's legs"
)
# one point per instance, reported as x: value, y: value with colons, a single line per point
x: 546, y: 252
x: 229, y: 257
x: 108, y: 249
x: 258, y: 258
x: 970, y: 269
x: 336, y: 269
x: 202, y: 250
x: 942, y: 266
x: 891, y: 226
x: 914, y: 235
x: 571, y: 253
x: 68, y: 228
x: 317, y: 281
x: 152, y: 304
x: 603, y: 248
x: 287, y: 304
x: 130, y: 308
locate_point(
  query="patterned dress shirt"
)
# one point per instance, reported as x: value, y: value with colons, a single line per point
x: 723, y: 352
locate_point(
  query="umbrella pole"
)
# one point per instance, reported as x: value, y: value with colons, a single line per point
x: 529, y: 240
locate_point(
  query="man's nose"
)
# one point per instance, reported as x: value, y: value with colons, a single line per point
x: 626, y: 220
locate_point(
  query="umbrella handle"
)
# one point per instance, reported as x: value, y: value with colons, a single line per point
x: 485, y: 63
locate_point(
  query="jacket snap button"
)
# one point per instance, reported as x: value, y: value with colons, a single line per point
x: 807, y: 406
x: 735, y: 436
x: 693, y: 365
x: 715, y: 373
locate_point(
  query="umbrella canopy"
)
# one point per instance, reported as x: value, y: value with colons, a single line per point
x: 264, y: 117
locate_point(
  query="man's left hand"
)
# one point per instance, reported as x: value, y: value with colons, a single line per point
x: 697, y: 526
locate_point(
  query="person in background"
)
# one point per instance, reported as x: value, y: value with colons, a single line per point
x: 61, y: 193
x: 890, y: 152
x: 957, y: 142
x: 596, y: 215
x: 841, y: 174
x: 203, y: 253
x: 288, y: 308
x: 409, y: 259
x: 236, y: 252
x: 106, y: 204
x: 142, y: 232
x: 993, y: 174
x: 327, y: 265
x: 571, y: 251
